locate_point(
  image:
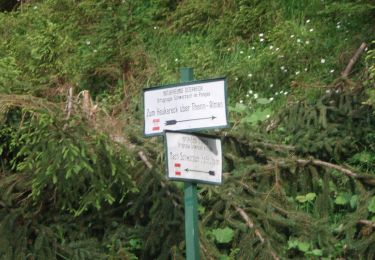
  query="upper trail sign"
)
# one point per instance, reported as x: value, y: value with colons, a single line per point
x: 185, y: 106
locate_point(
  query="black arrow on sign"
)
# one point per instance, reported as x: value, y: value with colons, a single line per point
x: 173, y: 122
x: 209, y: 172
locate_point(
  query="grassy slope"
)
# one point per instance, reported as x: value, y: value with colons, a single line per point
x: 115, y: 48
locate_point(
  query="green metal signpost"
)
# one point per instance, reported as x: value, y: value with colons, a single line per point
x: 191, y: 221
x: 190, y: 198
x: 191, y: 158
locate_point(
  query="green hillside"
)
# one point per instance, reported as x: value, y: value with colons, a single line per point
x: 78, y: 180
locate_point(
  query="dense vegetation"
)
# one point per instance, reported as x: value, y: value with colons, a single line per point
x: 79, y: 181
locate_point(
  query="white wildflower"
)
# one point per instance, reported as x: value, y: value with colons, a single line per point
x: 88, y: 42
x: 277, y: 49
x: 241, y: 101
x: 298, y: 40
x: 261, y: 35
x: 253, y: 48
x: 261, y: 39
x: 282, y: 68
x: 271, y: 98
x: 95, y: 51
x: 308, y: 20
x: 255, y: 95
x: 332, y: 71
x: 311, y: 30
x: 328, y: 91
x: 155, y: 27
x: 268, y: 116
x: 249, y: 75
x: 305, y: 69
x: 297, y: 72
x: 307, y: 42
x: 271, y: 85
x: 271, y: 47
x: 248, y: 56
x: 322, y: 61
x: 285, y: 93
x: 247, y: 95
x: 250, y: 91
x: 338, y: 26
x: 292, y: 36
x: 236, y: 78
x: 241, y: 52
x: 176, y: 60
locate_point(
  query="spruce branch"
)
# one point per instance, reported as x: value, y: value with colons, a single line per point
x: 266, y: 145
x: 250, y: 223
x: 367, y: 179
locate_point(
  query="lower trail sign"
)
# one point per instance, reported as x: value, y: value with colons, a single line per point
x: 192, y: 157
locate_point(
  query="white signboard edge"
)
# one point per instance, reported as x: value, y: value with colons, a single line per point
x: 176, y: 85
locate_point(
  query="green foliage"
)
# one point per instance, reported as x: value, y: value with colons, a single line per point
x: 9, y: 74
x: 305, y: 248
x: 371, y: 206
x: 301, y: 246
x: 309, y: 197
x: 370, y: 59
x: 342, y: 198
x: 66, y: 159
x: 222, y: 235
x: 247, y: 116
x: 68, y: 192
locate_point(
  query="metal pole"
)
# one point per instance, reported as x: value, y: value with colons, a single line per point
x: 190, y: 199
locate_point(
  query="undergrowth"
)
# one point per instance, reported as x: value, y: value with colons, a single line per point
x: 299, y: 155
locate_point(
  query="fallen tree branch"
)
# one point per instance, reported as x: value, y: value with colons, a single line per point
x: 69, y: 103
x: 353, y: 60
x: 247, y: 219
x: 330, y: 165
x: 346, y: 171
x: 367, y: 222
x: 144, y: 159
